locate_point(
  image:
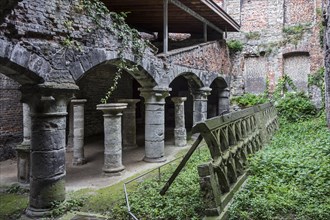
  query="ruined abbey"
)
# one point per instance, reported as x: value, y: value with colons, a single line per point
x: 60, y: 58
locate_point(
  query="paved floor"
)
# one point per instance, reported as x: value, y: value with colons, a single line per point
x: 90, y: 174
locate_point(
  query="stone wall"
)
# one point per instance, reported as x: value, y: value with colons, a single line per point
x: 268, y: 36
x: 11, y: 117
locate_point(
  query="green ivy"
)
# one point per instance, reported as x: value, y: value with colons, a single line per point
x: 235, y: 46
x: 253, y: 35
x: 249, y: 99
x: 282, y: 86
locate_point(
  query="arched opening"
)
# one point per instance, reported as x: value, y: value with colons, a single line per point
x: 182, y: 86
x: 218, y: 100
x: 93, y: 86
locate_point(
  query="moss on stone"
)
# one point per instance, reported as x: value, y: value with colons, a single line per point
x: 12, y: 205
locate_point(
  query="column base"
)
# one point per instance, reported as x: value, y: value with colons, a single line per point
x: 78, y: 162
x: 113, y: 171
x: 154, y: 160
x: 37, y: 213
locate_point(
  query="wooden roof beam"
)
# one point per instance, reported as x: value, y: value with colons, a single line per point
x: 195, y: 15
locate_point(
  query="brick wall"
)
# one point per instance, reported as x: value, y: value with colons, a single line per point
x: 11, y: 117
x: 262, y: 24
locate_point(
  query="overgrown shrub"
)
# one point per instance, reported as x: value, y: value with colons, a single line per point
x: 234, y: 46
x: 249, y: 99
x: 295, y: 107
x: 290, y: 178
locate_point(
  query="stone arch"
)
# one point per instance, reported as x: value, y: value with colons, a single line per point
x: 182, y: 86
x: 218, y: 100
x: 193, y: 79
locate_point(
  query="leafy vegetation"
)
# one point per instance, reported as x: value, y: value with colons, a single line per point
x: 13, y: 202
x: 249, y: 99
x: 290, y: 178
x: 253, y: 35
x: 235, y: 46
x: 295, y: 107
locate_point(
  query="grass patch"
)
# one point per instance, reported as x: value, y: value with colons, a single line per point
x: 290, y: 178
x: 12, y: 205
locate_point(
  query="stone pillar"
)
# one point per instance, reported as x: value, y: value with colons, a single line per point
x: 112, y: 113
x: 223, y: 104
x: 69, y: 145
x: 200, y: 104
x: 47, y: 177
x: 129, y: 123
x: 154, y: 99
x: 23, y: 149
x: 78, y: 131
x: 180, y: 133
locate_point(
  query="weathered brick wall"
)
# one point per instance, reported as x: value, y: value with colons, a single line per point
x: 11, y: 117
x: 262, y: 25
x: 299, y: 11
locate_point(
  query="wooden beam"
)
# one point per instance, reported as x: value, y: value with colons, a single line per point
x: 165, y: 26
x: 196, y: 15
x: 205, y: 32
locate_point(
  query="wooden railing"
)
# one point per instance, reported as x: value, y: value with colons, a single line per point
x: 230, y: 139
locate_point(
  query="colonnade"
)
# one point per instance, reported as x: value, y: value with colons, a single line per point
x: 41, y: 155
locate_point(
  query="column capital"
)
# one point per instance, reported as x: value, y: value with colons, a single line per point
x: 111, y: 108
x: 156, y: 94
x: 202, y: 93
x: 131, y: 102
x: 178, y: 100
x: 78, y: 101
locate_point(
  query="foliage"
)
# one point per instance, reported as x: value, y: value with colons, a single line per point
x: 235, y: 46
x: 59, y: 208
x: 317, y: 79
x: 249, y: 99
x: 182, y: 201
x: 295, y: 107
x: 290, y: 178
x: 253, y: 35
x: 13, y: 202
x: 283, y: 85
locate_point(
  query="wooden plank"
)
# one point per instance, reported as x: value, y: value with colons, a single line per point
x: 181, y: 165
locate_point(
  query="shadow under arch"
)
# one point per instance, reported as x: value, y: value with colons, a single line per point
x: 182, y: 86
x: 139, y: 73
x: 19, y: 73
x: 218, y: 100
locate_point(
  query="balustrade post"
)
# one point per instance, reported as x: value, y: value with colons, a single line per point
x: 180, y: 133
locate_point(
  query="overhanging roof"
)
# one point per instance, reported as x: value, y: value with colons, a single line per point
x: 147, y: 15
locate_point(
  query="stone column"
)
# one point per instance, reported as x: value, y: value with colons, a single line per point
x: 23, y: 149
x: 154, y: 99
x: 223, y: 104
x: 129, y: 123
x: 69, y: 145
x: 200, y: 104
x: 78, y: 131
x: 47, y: 177
x: 180, y: 133
x: 112, y: 113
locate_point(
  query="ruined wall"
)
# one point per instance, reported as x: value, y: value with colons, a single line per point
x: 270, y: 30
x: 11, y: 117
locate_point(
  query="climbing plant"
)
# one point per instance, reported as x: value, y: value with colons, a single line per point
x: 129, y: 38
x: 282, y: 86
